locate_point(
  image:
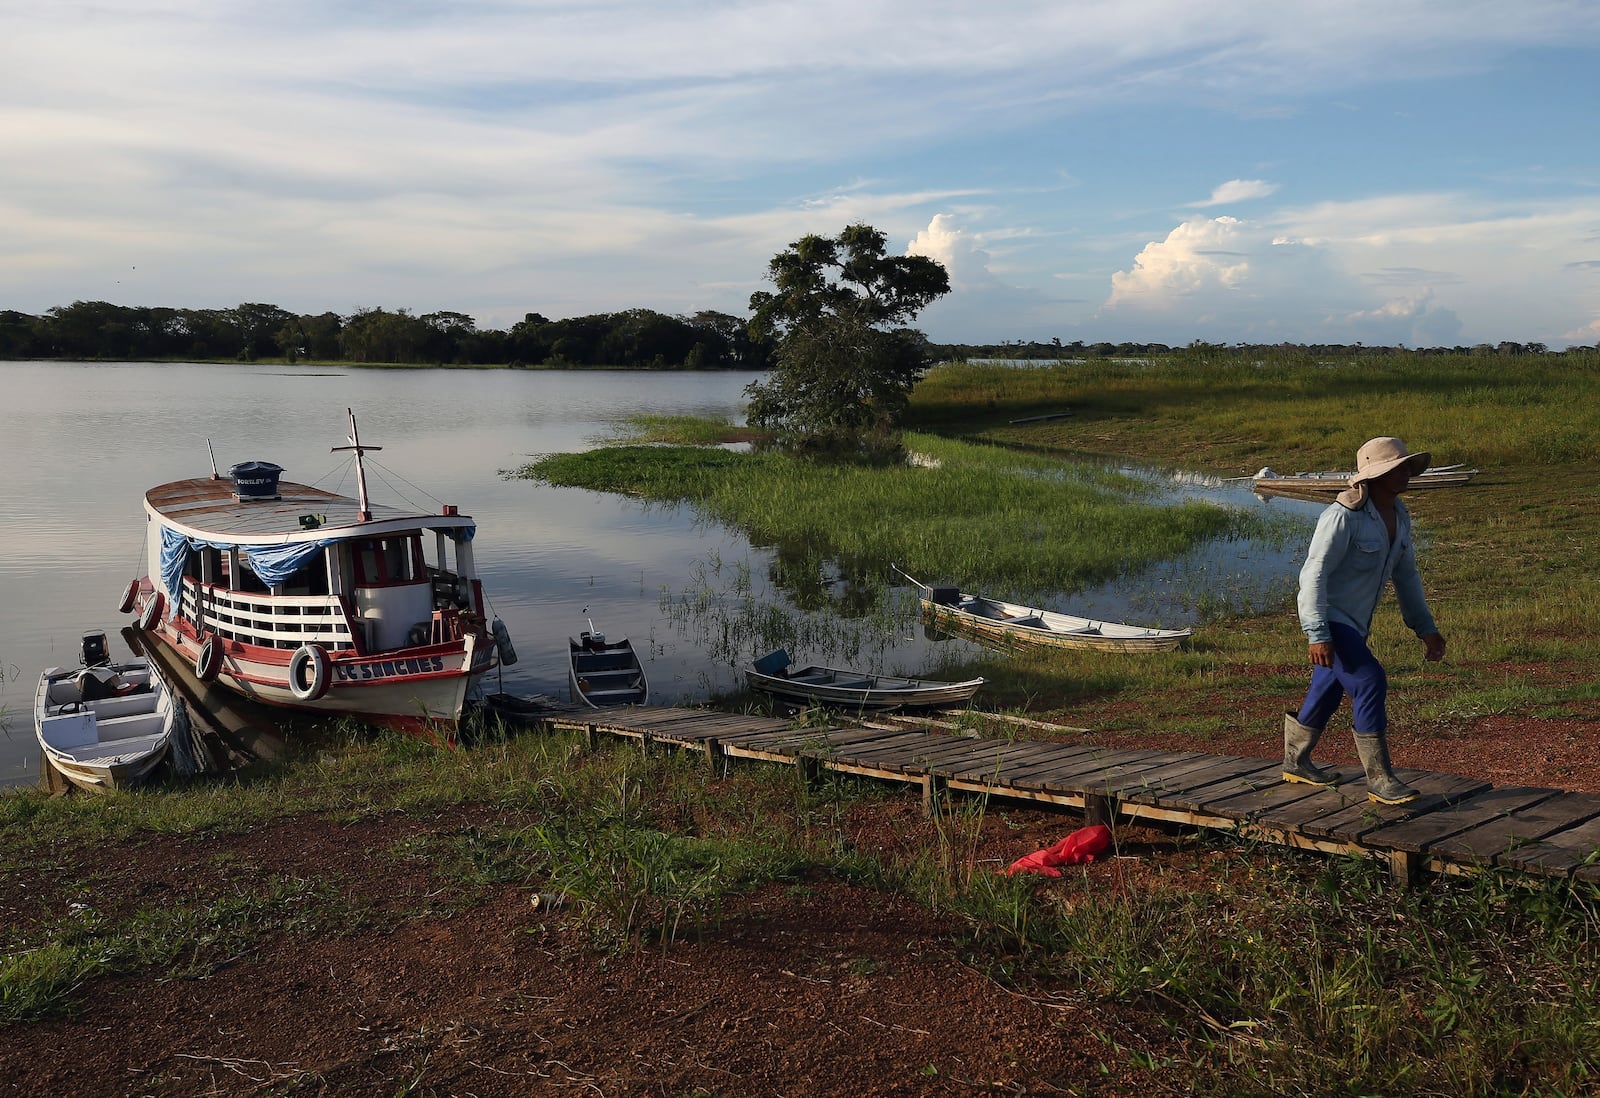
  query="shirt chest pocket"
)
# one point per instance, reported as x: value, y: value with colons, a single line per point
x: 1367, y: 552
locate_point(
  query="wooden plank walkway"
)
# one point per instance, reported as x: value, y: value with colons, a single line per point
x: 1458, y: 825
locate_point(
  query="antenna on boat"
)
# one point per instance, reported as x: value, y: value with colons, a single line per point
x: 214, y: 474
x: 365, y: 512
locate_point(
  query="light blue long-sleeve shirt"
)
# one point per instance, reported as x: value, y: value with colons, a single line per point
x: 1350, y: 562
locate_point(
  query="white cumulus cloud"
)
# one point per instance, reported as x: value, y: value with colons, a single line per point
x: 1199, y: 256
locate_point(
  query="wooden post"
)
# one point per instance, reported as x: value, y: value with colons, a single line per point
x: 1100, y: 808
x: 1405, y: 867
x: 932, y: 795
x: 714, y: 755
x: 810, y: 768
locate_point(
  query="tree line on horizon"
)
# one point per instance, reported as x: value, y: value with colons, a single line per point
x: 639, y: 338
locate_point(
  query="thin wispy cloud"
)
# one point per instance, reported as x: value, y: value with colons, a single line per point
x: 1236, y: 191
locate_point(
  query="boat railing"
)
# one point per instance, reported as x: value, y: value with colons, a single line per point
x: 271, y: 621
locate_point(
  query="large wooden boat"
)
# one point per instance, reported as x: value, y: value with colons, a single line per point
x: 302, y: 598
x: 839, y: 688
x: 1010, y: 625
x: 104, y: 725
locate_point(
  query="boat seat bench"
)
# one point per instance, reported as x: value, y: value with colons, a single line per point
x: 72, y: 731
x: 603, y: 677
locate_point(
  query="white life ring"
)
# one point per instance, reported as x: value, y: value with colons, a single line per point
x: 312, y: 658
x: 154, y: 607
x: 130, y: 598
x: 209, y: 661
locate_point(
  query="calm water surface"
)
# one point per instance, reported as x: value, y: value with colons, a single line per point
x: 81, y: 443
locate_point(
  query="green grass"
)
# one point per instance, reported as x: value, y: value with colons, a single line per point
x: 1232, y: 411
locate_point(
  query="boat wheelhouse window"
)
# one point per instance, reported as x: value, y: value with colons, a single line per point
x: 381, y: 561
x: 310, y: 578
x: 247, y: 580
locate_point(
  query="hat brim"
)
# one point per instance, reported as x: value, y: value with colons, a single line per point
x: 1416, y: 462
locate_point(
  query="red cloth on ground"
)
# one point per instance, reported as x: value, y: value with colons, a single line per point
x: 1080, y: 846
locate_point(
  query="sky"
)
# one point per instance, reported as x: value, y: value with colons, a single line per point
x: 1411, y: 172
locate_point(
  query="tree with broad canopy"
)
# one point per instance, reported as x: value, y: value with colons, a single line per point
x: 844, y: 364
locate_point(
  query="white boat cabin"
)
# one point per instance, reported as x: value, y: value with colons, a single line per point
x: 305, y: 566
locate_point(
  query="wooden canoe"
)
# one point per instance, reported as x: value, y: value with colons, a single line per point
x: 840, y: 688
x: 1449, y: 476
x: 1011, y: 626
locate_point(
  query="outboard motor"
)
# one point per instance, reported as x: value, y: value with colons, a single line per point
x: 93, y: 650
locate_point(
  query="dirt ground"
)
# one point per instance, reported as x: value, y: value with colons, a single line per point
x: 814, y: 989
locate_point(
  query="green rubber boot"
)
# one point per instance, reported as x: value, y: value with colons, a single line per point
x: 1382, y: 785
x: 1298, y: 740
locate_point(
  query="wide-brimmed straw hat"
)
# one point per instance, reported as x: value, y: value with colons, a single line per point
x: 1383, y: 455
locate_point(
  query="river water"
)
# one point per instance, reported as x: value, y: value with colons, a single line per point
x: 82, y: 442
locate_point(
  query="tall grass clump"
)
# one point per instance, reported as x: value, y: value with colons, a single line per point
x: 987, y: 515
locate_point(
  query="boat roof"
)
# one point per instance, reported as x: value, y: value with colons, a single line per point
x: 207, y: 508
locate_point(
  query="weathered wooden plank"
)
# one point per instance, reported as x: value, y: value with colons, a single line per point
x: 693, y: 730
x: 641, y: 717
x: 1419, y: 833
x: 1271, y: 795
x: 1063, y: 759
x: 889, y: 752
x: 1488, y: 843
x: 1131, y: 777
x: 952, y: 753
x: 1181, y: 765
x: 1231, y: 774
x: 1013, y: 757
x: 940, y: 740
x: 1028, y: 775
x: 986, y: 765
x: 1560, y: 853
x: 1090, y: 772
x: 808, y: 738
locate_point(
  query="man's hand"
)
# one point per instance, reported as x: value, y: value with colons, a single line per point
x: 1322, y: 653
x: 1435, y: 643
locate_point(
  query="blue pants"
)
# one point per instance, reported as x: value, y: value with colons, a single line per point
x: 1355, y: 671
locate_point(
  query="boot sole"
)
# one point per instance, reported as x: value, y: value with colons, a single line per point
x: 1375, y: 799
x: 1328, y: 782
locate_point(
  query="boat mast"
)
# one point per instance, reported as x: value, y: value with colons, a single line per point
x: 365, y: 512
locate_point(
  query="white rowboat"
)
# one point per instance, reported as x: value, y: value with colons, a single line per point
x: 107, y: 725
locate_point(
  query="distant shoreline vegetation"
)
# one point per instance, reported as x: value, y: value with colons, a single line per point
x: 632, y: 339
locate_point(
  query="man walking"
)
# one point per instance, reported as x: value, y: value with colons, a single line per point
x: 1362, y: 542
